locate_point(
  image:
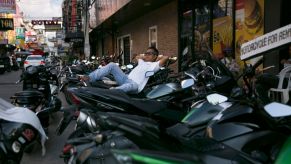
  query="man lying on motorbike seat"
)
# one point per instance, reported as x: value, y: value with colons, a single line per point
x: 136, y: 80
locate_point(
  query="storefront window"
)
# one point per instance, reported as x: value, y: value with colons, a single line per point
x: 202, y: 28
x: 206, y: 24
x: 186, y: 37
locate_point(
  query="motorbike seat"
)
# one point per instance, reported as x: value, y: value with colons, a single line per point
x: 27, y: 97
x: 120, y: 98
x: 29, y: 93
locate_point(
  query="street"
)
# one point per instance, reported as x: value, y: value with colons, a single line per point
x: 54, y: 144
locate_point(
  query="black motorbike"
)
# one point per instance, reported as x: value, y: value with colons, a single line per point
x: 119, y: 149
x: 167, y: 103
x: 241, y: 123
x: 39, y: 93
x: 19, y: 129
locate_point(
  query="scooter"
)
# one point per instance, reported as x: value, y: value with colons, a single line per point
x: 19, y: 129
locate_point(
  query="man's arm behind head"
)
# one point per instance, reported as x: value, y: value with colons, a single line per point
x: 162, y: 59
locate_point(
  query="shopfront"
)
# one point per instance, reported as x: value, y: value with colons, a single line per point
x: 224, y: 25
x: 206, y: 24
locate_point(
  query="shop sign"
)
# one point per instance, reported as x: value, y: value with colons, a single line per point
x: 6, y: 24
x: 44, y: 22
x: 266, y: 42
x: 7, y: 6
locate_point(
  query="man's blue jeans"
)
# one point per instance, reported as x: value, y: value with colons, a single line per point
x: 125, y: 84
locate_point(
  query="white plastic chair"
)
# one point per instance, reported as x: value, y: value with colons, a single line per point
x: 281, y: 94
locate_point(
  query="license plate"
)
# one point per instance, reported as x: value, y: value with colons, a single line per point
x: 1, y: 66
x: 18, y: 59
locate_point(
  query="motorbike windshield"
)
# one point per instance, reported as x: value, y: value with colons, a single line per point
x: 204, y: 112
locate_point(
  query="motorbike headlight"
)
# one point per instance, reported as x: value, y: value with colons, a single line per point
x: 82, y: 118
x: 16, y: 146
x: 122, y: 157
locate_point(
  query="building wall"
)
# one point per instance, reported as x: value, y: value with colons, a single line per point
x: 108, y: 48
x: 272, y: 22
x: 166, y: 20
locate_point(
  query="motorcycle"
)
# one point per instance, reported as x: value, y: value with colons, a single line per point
x: 246, y: 125
x: 39, y: 92
x: 19, y: 129
x: 120, y: 149
x: 167, y: 103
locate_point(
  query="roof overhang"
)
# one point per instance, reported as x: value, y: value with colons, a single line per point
x: 131, y: 11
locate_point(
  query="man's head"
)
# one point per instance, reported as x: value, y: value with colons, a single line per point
x: 151, y: 54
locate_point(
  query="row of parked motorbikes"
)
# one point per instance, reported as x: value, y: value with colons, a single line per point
x: 25, y: 120
x: 199, y: 115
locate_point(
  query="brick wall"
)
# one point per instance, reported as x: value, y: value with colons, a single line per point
x: 166, y: 20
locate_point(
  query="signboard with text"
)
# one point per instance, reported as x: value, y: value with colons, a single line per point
x: 6, y: 24
x: 266, y: 42
x: 7, y: 6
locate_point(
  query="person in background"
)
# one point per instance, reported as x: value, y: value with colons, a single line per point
x: 136, y: 80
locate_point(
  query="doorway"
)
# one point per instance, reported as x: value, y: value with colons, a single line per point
x: 124, y: 49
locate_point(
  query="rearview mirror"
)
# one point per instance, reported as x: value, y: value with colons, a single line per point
x: 275, y: 109
x: 215, y: 98
x: 187, y: 83
x: 149, y: 73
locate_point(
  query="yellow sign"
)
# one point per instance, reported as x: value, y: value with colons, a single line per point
x: 249, y: 22
x: 222, y: 36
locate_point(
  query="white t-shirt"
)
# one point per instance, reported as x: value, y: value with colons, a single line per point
x: 138, y: 73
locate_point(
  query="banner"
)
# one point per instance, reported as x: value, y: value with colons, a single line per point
x: 7, y: 6
x: 222, y: 36
x: 266, y: 42
x: 6, y: 24
x: 249, y: 22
